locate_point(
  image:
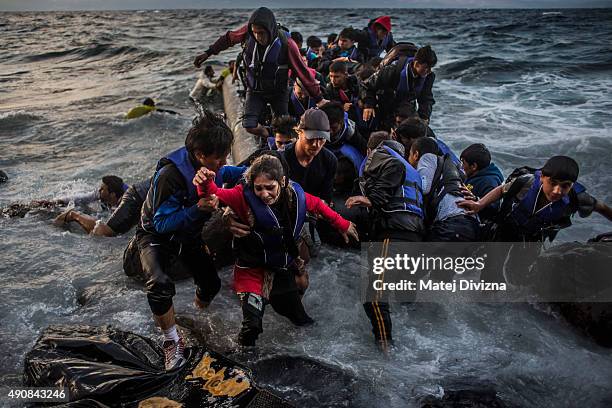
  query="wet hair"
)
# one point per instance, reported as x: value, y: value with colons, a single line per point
x: 405, y: 112
x: 477, y: 153
x: 209, y: 134
x: 272, y: 165
x: 334, y: 112
x: 267, y: 164
x: 338, y: 66
x: 376, y: 138
x: 209, y: 69
x: 561, y: 168
x: 296, y: 36
x: 425, y: 145
x: 426, y: 55
x: 348, y: 33
x: 332, y: 38
x: 148, y: 102
x: 314, y: 42
x: 285, y: 125
x: 114, y: 184
x: 411, y: 128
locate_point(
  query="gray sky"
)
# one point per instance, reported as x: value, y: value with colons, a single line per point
x: 20, y: 5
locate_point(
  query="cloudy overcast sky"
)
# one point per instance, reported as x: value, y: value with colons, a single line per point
x: 18, y: 5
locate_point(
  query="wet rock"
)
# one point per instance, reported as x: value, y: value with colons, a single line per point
x: 309, y: 382
x: 18, y: 210
x: 464, y: 393
x: 3, y: 177
x: 580, y: 272
x: 592, y: 319
x: 95, y: 293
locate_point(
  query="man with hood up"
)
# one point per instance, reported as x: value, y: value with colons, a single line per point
x: 270, y: 56
x: 376, y: 37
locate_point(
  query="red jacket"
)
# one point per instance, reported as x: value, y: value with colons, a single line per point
x: 234, y: 198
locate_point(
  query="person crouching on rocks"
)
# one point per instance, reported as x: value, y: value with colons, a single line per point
x: 267, y: 259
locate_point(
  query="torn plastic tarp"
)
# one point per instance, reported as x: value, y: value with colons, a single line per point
x: 106, y: 366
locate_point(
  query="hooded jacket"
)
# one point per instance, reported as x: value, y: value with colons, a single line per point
x: 482, y: 182
x: 265, y: 17
x: 369, y: 45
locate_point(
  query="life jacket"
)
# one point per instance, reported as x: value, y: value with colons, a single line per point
x: 375, y: 49
x: 352, y: 53
x: 410, y: 196
x: 311, y: 55
x: 444, y: 149
x: 139, y: 111
x: 341, y: 148
x: 268, y: 233
x: 362, y: 166
x: 408, y: 86
x: 553, y: 216
x: 447, y: 179
x: 268, y: 73
x: 180, y: 158
x: 298, y: 107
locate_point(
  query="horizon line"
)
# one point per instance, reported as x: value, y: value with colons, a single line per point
x: 312, y: 8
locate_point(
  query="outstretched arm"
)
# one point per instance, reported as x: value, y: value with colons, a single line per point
x: 224, y: 42
x: 85, y: 221
x: 473, y: 207
x: 603, y: 209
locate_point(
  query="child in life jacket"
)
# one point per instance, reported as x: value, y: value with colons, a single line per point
x: 267, y: 260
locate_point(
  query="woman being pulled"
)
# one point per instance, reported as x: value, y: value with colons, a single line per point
x: 267, y: 260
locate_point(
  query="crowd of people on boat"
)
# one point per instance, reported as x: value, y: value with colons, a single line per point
x: 346, y: 155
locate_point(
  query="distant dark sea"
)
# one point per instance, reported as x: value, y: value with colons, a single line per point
x: 528, y: 83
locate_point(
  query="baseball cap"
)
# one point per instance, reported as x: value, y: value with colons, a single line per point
x: 315, y: 124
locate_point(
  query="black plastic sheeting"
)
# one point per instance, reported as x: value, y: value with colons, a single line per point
x: 103, y: 366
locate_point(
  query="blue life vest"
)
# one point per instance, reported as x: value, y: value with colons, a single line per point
x: 412, y: 189
x: 268, y: 229
x: 268, y: 73
x: 444, y: 149
x: 374, y: 48
x: 311, y: 55
x: 351, y: 153
x: 342, y: 149
x: 352, y: 53
x: 362, y: 166
x: 404, y: 90
x: 180, y: 158
x: 297, y: 105
x: 523, y: 212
